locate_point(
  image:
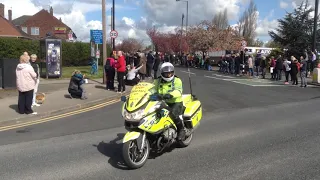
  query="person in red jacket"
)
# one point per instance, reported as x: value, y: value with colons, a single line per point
x: 121, y: 72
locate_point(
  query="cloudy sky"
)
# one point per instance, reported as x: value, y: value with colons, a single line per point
x: 133, y: 17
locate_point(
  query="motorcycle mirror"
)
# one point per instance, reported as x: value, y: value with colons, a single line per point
x: 123, y: 98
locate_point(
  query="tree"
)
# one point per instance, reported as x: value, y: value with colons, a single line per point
x: 295, y: 30
x: 220, y: 20
x: 167, y: 42
x: 272, y: 44
x: 130, y: 45
x: 275, y: 52
x: 206, y: 36
x: 202, y: 37
x: 148, y: 48
x: 257, y: 43
x: 248, y: 23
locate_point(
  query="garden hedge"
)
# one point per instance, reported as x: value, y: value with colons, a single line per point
x: 73, y: 53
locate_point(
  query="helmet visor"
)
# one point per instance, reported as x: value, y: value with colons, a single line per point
x: 167, y: 74
x: 167, y: 69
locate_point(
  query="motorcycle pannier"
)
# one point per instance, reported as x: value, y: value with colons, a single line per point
x: 192, y: 114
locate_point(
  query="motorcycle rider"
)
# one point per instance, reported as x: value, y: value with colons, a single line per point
x: 169, y: 87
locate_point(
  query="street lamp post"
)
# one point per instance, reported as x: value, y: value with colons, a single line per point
x: 314, y: 44
x: 104, y: 34
x: 187, y: 13
x: 181, y: 35
x: 186, y: 36
x: 113, y: 23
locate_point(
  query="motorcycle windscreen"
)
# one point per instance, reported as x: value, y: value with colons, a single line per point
x: 139, y: 95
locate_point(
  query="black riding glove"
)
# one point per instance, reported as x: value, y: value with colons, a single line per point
x: 167, y: 96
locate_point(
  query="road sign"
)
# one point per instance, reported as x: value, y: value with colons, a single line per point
x: 96, y: 36
x: 243, y: 43
x: 113, y: 34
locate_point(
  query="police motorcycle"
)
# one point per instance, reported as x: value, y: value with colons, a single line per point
x: 150, y: 126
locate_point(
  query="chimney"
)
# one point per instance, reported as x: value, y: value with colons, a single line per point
x: 1, y: 9
x: 10, y: 15
x: 51, y: 11
x: 60, y: 19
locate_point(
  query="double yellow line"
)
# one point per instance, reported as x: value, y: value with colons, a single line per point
x: 52, y: 118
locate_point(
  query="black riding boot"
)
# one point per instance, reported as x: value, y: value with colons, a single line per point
x: 180, y: 129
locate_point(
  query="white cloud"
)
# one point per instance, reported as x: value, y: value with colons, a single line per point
x: 128, y: 21
x: 265, y: 25
x: 77, y: 21
x: 20, y: 7
x: 73, y: 14
x: 169, y: 11
x: 164, y: 14
x: 283, y: 4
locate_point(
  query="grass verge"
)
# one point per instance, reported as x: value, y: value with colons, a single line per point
x: 67, y: 71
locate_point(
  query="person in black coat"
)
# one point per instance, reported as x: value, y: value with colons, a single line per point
x: 136, y: 59
x: 237, y: 62
x: 156, y: 65
x: 294, y: 71
x: 263, y: 66
x: 150, y: 62
x: 76, y: 89
x: 279, y: 67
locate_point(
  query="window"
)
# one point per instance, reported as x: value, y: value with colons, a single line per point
x: 35, y: 31
x: 25, y: 29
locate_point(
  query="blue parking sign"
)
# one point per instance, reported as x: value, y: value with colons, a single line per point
x: 96, y: 36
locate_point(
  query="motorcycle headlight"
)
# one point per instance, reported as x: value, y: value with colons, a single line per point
x: 137, y: 115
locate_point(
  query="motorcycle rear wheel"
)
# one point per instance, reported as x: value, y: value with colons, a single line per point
x: 131, y: 153
x: 185, y: 142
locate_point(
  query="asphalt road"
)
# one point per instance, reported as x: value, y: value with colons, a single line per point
x: 247, y: 132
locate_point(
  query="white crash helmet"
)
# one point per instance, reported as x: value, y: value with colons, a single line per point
x: 167, y: 71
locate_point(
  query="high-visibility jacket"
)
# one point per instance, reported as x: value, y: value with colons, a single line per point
x: 173, y: 87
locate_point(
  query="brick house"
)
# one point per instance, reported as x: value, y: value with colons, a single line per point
x: 7, y: 28
x: 42, y: 24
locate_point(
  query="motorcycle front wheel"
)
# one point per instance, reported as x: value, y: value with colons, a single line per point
x: 133, y: 158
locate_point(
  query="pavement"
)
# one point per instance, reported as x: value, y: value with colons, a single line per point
x: 57, y: 100
x: 247, y: 132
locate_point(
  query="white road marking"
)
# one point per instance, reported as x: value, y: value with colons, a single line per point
x: 221, y: 78
x: 219, y: 75
x: 188, y: 72
x: 243, y: 83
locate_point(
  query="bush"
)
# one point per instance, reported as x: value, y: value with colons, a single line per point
x: 275, y: 53
x: 73, y: 54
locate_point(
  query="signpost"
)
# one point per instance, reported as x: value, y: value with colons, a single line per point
x: 113, y: 34
x: 96, y: 37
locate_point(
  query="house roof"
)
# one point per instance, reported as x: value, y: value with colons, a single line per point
x: 20, y: 20
x: 46, y: 21
x: 45, y: 15
x: 7, y: 29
